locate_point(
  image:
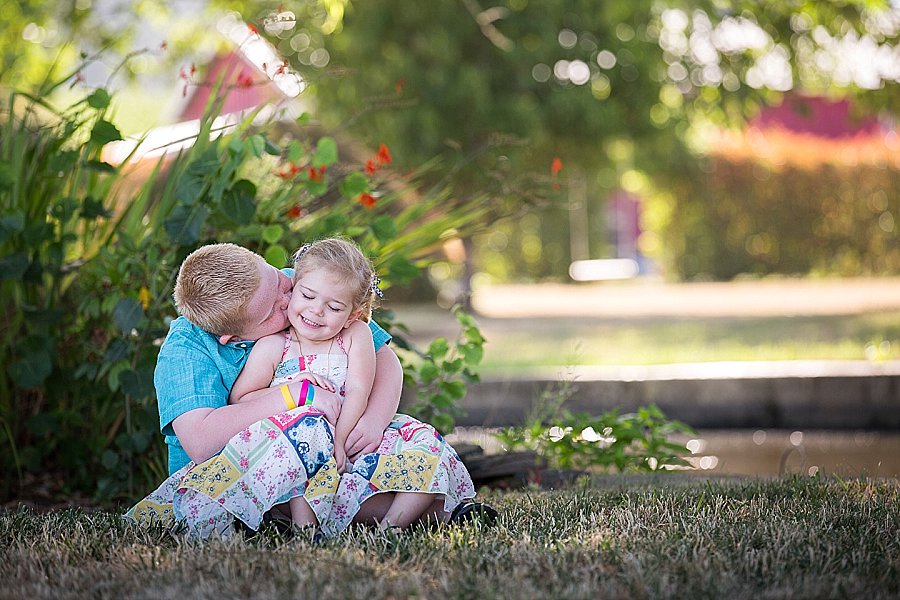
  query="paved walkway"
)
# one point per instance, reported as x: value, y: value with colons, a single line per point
x: 650, y: 297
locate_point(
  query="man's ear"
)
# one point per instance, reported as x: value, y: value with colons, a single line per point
x: 224, y: 339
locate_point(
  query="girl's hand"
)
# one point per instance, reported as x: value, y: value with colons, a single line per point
x: 317, y: 380
x: 340, y: 457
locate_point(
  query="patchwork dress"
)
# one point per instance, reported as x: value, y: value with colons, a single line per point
x: 412, y: 456
x: 291, y: 454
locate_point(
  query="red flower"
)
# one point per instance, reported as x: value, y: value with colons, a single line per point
x: 292, y: 170
x: 244, y: 80
x: 295, y: 212
x: 384, y: 156
x: 367, y: 200
x: 555, y: 167
x: 371, y: 167
x: 252, y: 28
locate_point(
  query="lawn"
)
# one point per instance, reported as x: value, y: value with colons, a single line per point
x: 626, y: 536
x: 518, y: 344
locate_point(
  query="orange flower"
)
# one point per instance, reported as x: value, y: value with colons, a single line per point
x: 295, y: 212
x: 371, y: 167
x: 384, y: 156
x: 367, y: 200
x: 555, y: 167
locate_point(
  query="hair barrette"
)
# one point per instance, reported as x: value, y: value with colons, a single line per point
x: 303, y: 250
x: 375, y: 281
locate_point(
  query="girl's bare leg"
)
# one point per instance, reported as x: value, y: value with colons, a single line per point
x: 410, y: 507
x: 301, y: 513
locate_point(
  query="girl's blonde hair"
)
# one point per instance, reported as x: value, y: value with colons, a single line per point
x: 344, y: 259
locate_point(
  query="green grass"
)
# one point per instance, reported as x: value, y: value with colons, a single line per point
x: 515, y: 344
x: 632, y: 537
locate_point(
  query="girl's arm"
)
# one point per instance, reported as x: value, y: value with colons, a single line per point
x: 259, y: 369
x: 360, y: 375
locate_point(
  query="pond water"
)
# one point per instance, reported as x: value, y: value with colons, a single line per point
x: 769, y: 452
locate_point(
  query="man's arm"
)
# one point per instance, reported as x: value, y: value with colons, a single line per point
x: 205, y: 431
x: 383, y: 402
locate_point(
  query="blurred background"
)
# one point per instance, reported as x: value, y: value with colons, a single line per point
x: 643, y: 183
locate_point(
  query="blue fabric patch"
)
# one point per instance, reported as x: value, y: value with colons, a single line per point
x: 365, y: 465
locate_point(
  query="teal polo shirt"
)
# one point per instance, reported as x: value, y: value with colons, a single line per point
x: 194, y: 370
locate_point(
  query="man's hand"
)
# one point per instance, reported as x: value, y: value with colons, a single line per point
x: 365, y: 438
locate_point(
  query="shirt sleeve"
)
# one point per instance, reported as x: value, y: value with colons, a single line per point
x: 186, y: 378
x: 380, y: 337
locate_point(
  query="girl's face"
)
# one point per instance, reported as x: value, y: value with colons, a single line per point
x: 321, y: 305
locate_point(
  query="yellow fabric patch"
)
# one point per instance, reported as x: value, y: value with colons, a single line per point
x: 404, y: 471
x: 325, y: 481
x: 146, y: 512
x: 212, y: 477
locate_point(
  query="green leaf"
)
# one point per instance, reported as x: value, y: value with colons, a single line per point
x: 93, y: 209
x: 104, y: 132
x: 455, y: 389
x: 35, y: 363
x: 272, y: 233
x: 326, y: 152
x: 13, y: 266
x: 295, y: 151
x: 239, y: 202
x: 256, y: 144
x: 304, y: 118
x: 63, y: 161
x: 271, y: 149
x: 99, y: 99
x: 137, y: 384
x: 7, y: 175
x: 110, y: 459
x: 401, y: 270
x: 384, y: 228
x: 276, y: 256
x: 472, y: 354
x: 438, y: 348
x: 99, y: 166
x: 353, y: 185
x: 10, y: 224
x: 127, y: 314
x: 428, y: 372
x: 183, y: 225
x: 189, y: 189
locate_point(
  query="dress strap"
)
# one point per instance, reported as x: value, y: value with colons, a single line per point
x: 287, y: 343
x: 340, y: 341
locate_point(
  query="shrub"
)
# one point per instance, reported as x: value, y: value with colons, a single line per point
x: 740, y: 216
x: 87, y: 268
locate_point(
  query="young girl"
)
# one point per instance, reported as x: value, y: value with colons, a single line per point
x: 328, y: 344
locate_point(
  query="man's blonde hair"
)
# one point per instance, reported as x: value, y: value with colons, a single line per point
x: 214, y: 286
